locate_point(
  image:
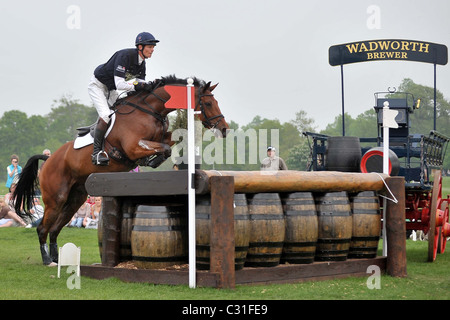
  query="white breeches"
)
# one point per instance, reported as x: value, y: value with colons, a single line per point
x: 102, y: 98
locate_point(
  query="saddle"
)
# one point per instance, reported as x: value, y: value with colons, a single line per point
x: 85, y: 137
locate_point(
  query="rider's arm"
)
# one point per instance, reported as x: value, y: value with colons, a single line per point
x: 121, y: 84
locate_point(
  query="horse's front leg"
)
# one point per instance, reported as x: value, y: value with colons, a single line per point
x: 153, y: 153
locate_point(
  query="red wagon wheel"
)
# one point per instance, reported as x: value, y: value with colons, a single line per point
x: 439, y: 216
x: 434, y: 230
x: 445, y: 228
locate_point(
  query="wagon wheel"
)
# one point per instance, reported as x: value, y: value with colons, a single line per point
x: 445, y: 228
x: 434, y: 230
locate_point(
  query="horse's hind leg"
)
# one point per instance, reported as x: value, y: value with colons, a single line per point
x: 42, y: 231
x: 74, y: 201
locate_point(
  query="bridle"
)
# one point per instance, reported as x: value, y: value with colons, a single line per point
x: 207, y: 122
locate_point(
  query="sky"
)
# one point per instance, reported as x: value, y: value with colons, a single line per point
x: 270, y: 57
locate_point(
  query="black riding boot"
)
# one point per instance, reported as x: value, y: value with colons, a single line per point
x: 99, y: 157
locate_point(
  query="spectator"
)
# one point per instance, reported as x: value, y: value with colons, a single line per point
x: 8, y: 214
x: 78, y: 217
x: 13, y: 170
x: 37, y: 213
x: 47, y: 152
x: 273, y: 162
x: 91, y: 221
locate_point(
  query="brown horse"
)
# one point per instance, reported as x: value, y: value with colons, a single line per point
x: 139, y: 136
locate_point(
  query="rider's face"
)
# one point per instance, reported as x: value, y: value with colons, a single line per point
x: 147, y: 51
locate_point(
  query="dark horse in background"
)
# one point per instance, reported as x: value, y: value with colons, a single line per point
x: 139, y: 136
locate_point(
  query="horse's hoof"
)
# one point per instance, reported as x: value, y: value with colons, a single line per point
x: 52, y: 264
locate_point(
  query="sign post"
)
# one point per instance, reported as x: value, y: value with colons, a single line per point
x: 388, y: 122
x: 184, y: 98
x: 191, y: 184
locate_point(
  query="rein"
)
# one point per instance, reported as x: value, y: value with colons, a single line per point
x: 163, y: 119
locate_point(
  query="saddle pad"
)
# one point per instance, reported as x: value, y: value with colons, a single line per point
x: 87, y: 139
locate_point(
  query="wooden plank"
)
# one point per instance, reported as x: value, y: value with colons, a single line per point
x: 156, y: 183
x: 171, y: 277
x: 222, y: 230
x: 306, y: 272
x: 280, y: 274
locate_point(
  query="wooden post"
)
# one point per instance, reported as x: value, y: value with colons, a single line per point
x: 222, y: 230
x: 396, y: 229
x: 112, y: 219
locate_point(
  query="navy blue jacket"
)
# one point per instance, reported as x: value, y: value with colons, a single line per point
x: 124, y: 64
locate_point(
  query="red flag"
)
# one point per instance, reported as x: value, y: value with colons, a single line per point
x: 178, y: 97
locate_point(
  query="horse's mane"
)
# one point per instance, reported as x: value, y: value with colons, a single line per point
x: 172, y: 79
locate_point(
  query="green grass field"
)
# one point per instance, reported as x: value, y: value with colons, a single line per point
x: 23, y: 276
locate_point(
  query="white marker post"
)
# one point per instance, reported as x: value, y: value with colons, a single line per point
x: 191, y: 183
x: 388, y: 122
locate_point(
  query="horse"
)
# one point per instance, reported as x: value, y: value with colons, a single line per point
x: 139, y: 136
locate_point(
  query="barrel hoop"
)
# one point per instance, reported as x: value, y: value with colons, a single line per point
x: 157, y: 228
x: 366, y: 211
x: 343, y: 240
x: 241, y: 248
x: 300, y: 213
x: 300, y: 244
x: 366, y: 238
x: 202, y: 247
x: 319, y: 252
x: 241, y: 217
x: 332, y: 202
x: 160, y: 259
x: 266, y: 217
x: 263, y: 255
x: 265, y: 244
x: 355, y: 249
x: 203, y: 216
x: 334, y: 213
x: 296, y: 202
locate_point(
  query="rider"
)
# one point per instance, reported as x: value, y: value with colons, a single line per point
x: 123, y: 66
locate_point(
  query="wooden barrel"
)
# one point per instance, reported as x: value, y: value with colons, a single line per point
x: 301, y: 227
x: 203, y: 231
x: 267, y: 230
x: 128, y: 209
x: 159, y: 236
x: 125, y: 232
x: 366, y: 225
x: 343, y: 154
x: 335, y: 226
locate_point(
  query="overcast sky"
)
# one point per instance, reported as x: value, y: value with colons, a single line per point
x: 269, y: 57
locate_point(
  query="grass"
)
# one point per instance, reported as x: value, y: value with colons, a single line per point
x: 23, y: 276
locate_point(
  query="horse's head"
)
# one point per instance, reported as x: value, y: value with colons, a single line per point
x: 211, y: 116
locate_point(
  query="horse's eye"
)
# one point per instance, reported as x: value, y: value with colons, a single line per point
x: 208, y: 104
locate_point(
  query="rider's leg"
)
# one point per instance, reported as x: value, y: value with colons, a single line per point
x: 99, y: 157
x: 99, y: 93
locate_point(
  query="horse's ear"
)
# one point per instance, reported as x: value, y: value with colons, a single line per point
x: 213, y: 87
x: 206, y: 87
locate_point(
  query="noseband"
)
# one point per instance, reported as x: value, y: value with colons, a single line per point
x: 207, y: 123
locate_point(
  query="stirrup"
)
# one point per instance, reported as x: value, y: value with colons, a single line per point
x: 97, y: 161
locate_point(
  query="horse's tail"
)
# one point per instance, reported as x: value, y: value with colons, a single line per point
x: 27, y: 184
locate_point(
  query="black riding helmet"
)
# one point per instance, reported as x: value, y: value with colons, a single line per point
x: 146, y: 38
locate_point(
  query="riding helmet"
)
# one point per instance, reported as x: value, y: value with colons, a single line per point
x: 146, y: 38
